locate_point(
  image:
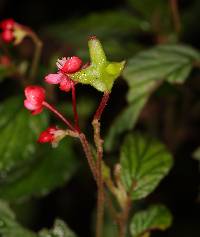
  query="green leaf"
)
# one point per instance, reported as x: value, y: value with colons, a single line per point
x: 156, y: 217
x: 148, y: 7
x: 19, y: 132
x: 52, y: 168
x: 101, y: 73
x: 144, y: 73
x: 144, y: 163
x: 117, y: 41
x: 157, y: 13
x: 8, y: 224
x: 60, y: 229
x: 9, y: 227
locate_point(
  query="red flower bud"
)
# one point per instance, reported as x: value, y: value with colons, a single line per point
x: 7, y: 36
x: 69, y: 65
x: 47, y: 135
x: 35, y: 96
x: 7, y: 24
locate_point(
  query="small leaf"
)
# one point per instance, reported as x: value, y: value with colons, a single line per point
x: 60, y: 229
x: 19, y: 132
x: 144, y: 163
x: 101, y: 73
x: 51, y: 169
x: 156, y: 217
x: 8, y: 224
x: 144, y: 73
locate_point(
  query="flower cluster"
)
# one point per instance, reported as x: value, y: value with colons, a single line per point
x: 99, y: 73
x: 13, y: 31
x: 35, y: 96
x: 65, y: 66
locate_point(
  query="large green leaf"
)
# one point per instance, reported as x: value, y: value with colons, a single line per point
x: 117, y: 41
x: 52, y: 168
x: 9, y: 226
x: 144, y: 73
x: 148, y: 8
x: 144, y: 163
x: 19, y: 132
x: 156, y: 217
x: 60, y: 229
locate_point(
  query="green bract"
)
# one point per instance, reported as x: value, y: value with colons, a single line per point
x: 101, y: 73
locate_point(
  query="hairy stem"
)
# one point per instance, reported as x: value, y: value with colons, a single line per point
x: 37, y: 54
x: 123, y: 218
x: 175, y: 15
x: 99, y: 145
x: 88, y: 153
x: 59, y: 115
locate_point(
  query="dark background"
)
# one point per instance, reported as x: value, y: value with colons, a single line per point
x: 75, y: 202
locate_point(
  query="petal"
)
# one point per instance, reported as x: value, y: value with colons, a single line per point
x: 37, y: 111
x: 29, y: 105
x: 65, y: 84
x: 45, y: 136
x: 61, y: 62
x: 35, y: 94
x: 54, y: 78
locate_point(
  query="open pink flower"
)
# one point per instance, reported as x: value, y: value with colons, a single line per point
x: 35, y: 96
x: 65, y: 66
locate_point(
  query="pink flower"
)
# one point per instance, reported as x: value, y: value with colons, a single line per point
x: 65, y: 66
x: 47, y: 135
x: 35, y: 96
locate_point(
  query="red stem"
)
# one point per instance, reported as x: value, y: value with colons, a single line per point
x: 76, y: 119
x: 102, y: 106
x: 175, y: 15
x: 55, y: 111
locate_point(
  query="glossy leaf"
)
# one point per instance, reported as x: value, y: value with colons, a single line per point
x: 8, y: 224
x: 144, y: 162
x: 19, y: 132
x: 156, y: 217
x: 60, y: 229
x: 144, y: 73
x: 51, y: 169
